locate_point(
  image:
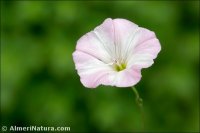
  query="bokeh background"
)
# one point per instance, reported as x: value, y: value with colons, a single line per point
x: 40, y: 86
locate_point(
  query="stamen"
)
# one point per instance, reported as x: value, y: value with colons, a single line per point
x: 119, y: 66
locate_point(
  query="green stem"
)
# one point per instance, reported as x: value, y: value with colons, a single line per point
x: 139, y: 102
x: 138, y: 99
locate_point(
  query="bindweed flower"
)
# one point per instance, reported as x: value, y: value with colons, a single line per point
x: 114, y: 54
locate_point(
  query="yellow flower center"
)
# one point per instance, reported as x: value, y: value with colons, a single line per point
x: 119, y: 66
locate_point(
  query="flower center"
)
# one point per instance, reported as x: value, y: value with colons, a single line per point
x: 119, y: 66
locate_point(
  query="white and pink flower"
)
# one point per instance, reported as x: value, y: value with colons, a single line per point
x: 114, y: 54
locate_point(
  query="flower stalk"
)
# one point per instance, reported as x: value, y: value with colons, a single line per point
x: 139, y: 102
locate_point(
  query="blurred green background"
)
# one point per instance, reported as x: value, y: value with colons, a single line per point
x: 40, y: 86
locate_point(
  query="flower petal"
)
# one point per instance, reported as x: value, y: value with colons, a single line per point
x: 126, y: 78
x: 124, y: 34
x: 91, y: 70
x: 100, y: 42
x: 147, y: 46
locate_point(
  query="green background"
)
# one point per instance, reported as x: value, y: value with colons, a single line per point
x: 40, y: 86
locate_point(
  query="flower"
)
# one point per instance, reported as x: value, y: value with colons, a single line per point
x: 114, y: 54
